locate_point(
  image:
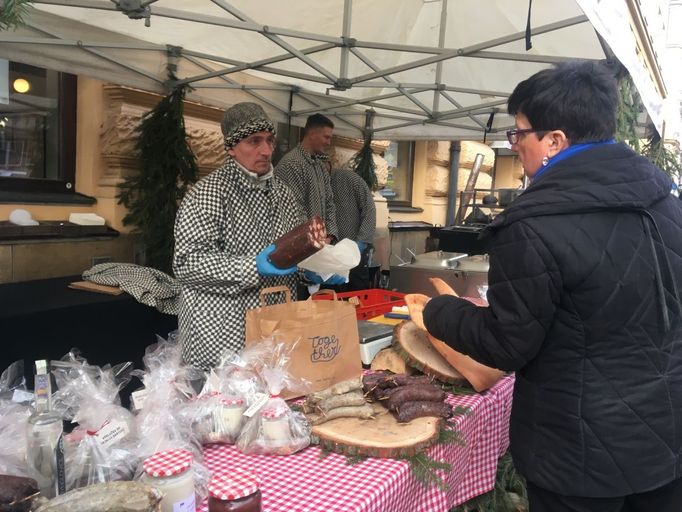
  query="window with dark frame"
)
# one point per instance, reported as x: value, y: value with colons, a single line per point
x: 38, y: 131
x: 400, y: 158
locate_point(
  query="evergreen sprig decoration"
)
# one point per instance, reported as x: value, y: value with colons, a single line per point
x: 363, y: 164
x: 168, y: 169
x: 662, y: 157
x: 629, y: 107
x: 508, y: 495
x: 12, y: 13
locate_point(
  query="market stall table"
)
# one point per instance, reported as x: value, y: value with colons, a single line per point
x: 307, y: 481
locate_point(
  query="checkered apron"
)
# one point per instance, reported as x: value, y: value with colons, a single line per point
x: 307, y: 177
x: 225, y: 220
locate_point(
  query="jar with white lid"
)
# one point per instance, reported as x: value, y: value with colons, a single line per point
x: 171, y: 473
x: 236, y: 491
x: 275, y: 422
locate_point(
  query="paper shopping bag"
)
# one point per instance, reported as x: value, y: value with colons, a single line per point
x: 324, y: 332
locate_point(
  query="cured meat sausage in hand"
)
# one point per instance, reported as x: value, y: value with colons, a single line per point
x: 299, y: 243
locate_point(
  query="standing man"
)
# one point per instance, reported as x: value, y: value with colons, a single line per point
x: 356, y: 219
x: 304, y: 171
x: 224, y: 232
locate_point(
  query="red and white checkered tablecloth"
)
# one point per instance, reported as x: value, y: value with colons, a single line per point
x: 304, y: 482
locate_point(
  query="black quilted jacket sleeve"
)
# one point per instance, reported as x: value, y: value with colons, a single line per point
x: 524, y: 285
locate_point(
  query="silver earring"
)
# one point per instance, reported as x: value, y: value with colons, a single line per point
x: 545, y: 161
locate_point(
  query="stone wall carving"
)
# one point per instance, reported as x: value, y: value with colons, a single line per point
x: 345, y: 148
x: 438, y: 166
x: 125, y: 109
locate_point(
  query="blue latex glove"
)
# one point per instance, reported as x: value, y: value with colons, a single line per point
x: 266, y: 268
x: 361, y: 245
x: 315, y: 278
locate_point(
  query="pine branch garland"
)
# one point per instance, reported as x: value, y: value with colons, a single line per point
x: 424, y: 469
x: 12, y: 13
x: 508, y: 495
x: 629, y: 107
x: 168, y: 169
x: 662, y: 157
x: 352, y: 460
x: 363, y: 164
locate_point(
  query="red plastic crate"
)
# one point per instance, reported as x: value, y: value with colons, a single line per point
x: 373, y: 302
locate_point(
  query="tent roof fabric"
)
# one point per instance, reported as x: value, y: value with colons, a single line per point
x: 429, y: 69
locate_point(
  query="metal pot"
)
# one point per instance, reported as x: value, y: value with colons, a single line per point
x: 507, y: 195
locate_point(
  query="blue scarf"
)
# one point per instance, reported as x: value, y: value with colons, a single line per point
x: 569, y: 152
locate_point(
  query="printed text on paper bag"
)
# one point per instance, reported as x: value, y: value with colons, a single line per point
x: 325, y: 348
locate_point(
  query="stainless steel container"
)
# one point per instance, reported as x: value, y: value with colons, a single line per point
x: 467, y: 275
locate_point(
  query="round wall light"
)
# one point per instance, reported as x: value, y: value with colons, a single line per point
x: 21, y: 85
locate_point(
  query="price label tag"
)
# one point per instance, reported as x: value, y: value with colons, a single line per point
x: 20, y: 396
x: 261, y: 400
x: 111, y: 432
x: 138, y: 398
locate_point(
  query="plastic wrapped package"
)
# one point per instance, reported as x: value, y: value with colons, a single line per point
x: 162, y: 420
x: 216, y: 415
x: 101, y: 448
x: 13, y: 420
x: 216, y: 418
x: 273, y: 428
x: 14, y: 413
x: 13, y: 384
x: 234, y: 376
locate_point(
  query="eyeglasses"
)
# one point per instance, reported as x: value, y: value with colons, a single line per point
x: 256, y: 140
x: 513, y: 135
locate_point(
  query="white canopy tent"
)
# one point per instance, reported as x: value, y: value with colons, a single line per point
x: 428, y: 69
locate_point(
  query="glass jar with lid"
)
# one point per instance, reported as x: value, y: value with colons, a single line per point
x: 230, y: 417
x: 275, y: 422
x: 236, y: 491
x: 171, y: 473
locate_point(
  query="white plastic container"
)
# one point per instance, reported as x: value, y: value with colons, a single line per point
x: 171, y: 473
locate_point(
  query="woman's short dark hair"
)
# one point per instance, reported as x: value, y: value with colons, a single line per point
x: 578, y: 97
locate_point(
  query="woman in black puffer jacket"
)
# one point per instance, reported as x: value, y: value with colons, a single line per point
x: 584, y: 292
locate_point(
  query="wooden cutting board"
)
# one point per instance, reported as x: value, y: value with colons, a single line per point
x: 94, y: 287
x: 381, y: 437
x: 413, y: 345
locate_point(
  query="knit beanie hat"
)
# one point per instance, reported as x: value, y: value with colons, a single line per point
x: 243, y: 119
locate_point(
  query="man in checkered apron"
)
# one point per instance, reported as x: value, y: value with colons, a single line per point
x: 224, y: 232
x: 304, y: 170
x: 356, y: 219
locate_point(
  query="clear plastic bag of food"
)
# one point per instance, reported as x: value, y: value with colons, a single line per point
x: 101, y: 448
x: 167, y: 381
x: 13, y: 384
x: 272, y: 427
x: 236, y: 376
x: 216, y: 414
x: 15, y: 410
x: 13, y: 420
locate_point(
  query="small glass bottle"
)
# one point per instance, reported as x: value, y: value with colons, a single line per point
x: 171, y: 473
x: 276, y: 424
x: 236, y: 491
x: 44, y: 431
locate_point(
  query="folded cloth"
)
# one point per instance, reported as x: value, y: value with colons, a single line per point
x: 148, y: 285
